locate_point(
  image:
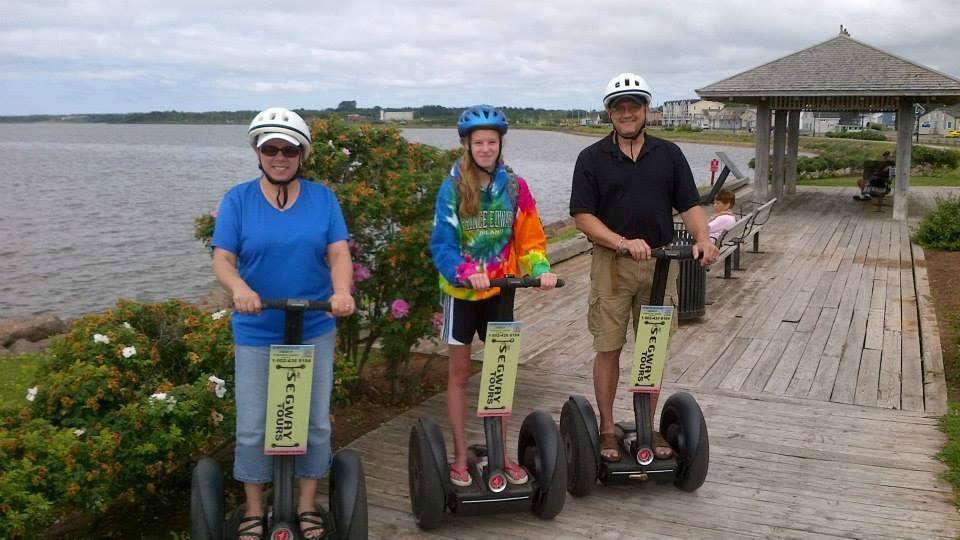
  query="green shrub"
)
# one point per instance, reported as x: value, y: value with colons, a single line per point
x: 876, y: 126
x: 388, y: 187
x: 866, y: 135
x: 127, y: 403
x: 940, y: 227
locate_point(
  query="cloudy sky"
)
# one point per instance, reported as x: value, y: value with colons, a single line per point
x: 86, y: 56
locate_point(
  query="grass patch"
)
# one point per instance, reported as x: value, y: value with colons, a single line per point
x: 949, y: 179
x: 18, y: 375
x: 950, y: 455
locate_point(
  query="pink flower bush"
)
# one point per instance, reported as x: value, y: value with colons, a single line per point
x: 399, y: 308
x: 214, y: 213
x: 360, y: 273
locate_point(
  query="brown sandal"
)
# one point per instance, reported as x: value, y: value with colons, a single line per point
x: 661, y: 448
x: 608, y: 441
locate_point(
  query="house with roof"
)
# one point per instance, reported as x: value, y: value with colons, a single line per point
x: 677, y: 113
x: 940, y: 121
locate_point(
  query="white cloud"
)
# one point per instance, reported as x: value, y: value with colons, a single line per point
x: 245, y: 54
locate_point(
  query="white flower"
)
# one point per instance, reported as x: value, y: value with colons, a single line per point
x: 220, y: 386
x: 100, y: 338
x: 129, y: 351
x: 79, y: 432
x: 330, y: 144
x: 127, y: 325
x: 346, y: 151
x: 32, y: 393
x: 162, y: 396
x: 217, y: 417
x: 218, y: 315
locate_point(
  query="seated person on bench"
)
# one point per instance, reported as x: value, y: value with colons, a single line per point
x: 879, y: 177
x: 723, y: 216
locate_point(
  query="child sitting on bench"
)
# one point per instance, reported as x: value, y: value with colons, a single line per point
x: 723, y: 216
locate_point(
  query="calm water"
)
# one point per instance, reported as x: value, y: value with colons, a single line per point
x: 91, y: 213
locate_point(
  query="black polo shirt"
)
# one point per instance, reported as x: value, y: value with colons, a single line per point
x: 634, y: 199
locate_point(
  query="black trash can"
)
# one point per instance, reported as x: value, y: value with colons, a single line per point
x: 691, y: 281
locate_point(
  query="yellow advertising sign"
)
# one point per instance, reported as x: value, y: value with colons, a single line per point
x: 501, y: 354
x: 289, y: 386
x: 650, y: 352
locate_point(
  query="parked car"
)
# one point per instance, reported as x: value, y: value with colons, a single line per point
x: 953, y: 134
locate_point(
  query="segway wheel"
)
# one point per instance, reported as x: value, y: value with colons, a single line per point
x: 582, y: 463
x: 348, y: 496
x: 206, y: 501
x: 427, y: 463
x: 683, y: 426
x: 541, y: 451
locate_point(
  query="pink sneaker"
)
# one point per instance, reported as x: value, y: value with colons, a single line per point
x: 461, y: 477
x: 516, y: 474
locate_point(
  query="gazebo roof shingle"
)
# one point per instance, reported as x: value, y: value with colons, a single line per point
x: 839, y: 67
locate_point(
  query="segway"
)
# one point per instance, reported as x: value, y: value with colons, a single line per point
x: 288, y: 412
x: 681, y: 420
x: 539, y: 448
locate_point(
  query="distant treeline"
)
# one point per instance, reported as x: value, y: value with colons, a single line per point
x: 428, y: 114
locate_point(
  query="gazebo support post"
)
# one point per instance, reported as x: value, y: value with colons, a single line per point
x: 905, y: 121
x: 793, y: 145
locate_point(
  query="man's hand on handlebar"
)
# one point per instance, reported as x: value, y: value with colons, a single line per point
x: 638, y: 249
x: 710, y: 252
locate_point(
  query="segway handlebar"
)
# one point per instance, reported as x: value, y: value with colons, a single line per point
x: 294, y: 303
x: 678, y: 252
x: 513, y: 283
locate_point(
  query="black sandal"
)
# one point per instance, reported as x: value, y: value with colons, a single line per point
x: 247, y: 531
x: 317, y: 521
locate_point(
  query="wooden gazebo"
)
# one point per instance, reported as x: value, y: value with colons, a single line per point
x: 841, y: 74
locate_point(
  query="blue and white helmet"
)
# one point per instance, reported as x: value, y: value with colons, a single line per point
x: 481, y: 117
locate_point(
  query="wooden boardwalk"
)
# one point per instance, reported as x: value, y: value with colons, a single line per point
x: 819, y: 372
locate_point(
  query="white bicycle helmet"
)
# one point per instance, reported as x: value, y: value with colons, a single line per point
x: 281, y: 121
x: 627, y: 84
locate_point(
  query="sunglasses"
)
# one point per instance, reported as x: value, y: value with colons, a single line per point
x: 287, y: 151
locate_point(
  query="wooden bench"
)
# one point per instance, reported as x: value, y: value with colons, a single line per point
x: 729, y: 243
x: 761, y: 216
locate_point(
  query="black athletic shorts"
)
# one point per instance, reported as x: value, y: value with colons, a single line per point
x: 464, y: 318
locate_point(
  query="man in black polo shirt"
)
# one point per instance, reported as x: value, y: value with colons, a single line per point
x: 625, y: 187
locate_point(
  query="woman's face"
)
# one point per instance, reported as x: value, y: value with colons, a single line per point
x: 485, y: 147
x: 282, y: 165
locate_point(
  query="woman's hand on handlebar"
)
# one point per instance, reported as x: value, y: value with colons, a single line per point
x: 245, y: 300
x: 547, y: 281
x: 710, y: 252
x: 638, y: 249
x: 479, y: 281
x: 342, y: 305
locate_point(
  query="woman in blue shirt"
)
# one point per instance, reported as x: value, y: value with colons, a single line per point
x: 281, y: 236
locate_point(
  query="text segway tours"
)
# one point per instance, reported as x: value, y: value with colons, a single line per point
x: 539, y: 448
x: 681, y: 420
x: 288, y: 411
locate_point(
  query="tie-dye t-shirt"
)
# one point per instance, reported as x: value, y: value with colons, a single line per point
x: 499, y: 241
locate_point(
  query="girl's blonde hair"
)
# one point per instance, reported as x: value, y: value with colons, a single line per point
x: 468, y: 188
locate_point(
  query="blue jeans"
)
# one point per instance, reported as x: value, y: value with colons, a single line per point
x: 250, y: 464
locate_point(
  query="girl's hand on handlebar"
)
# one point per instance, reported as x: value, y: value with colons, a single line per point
x: 547, y: 281
x: 638, y: 249
x: 245, y: 300
x: 710, y: 252
x: 342, y: 305
x: 479, y: 281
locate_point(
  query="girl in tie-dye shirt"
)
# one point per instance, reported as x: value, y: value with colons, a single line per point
x: 486, y: 226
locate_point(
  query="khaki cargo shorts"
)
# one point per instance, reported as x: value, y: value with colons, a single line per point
x: 619, y: 286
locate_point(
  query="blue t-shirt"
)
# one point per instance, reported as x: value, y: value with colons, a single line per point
x: 280, y: 254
